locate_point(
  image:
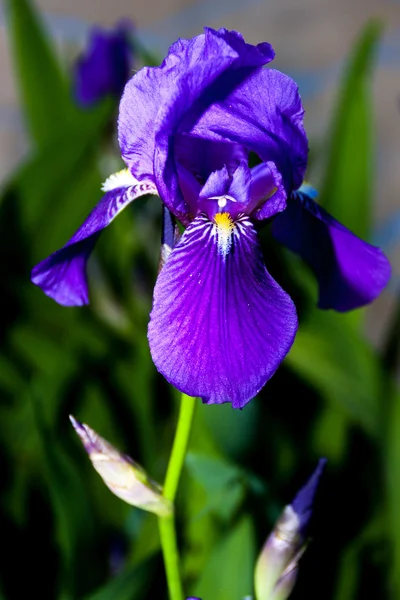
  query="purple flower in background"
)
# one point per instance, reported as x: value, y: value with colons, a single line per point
x: 220, y: 324
x: 105, y: 66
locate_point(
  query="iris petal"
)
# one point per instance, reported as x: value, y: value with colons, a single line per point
x: 202, y: 157
x: 237, y: 186
x: 62, y: 276
x: 267, y: 193
x: 156, y: 100
x: 220, y: 325
x: 350, y: 272
x: 273, y: 128
x: 216, y: 185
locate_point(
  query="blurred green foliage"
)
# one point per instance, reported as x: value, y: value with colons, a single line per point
x: 61, y: 529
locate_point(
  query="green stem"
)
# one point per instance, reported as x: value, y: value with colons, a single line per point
x: 167, y: 524
x: 169, y: 547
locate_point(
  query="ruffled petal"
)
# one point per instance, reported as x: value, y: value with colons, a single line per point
x: 350, y: 272
x: 220, y: 325
x: 156, y: 92
x: 264, y: 114
x: 156, y: 100
x: 62, y: 276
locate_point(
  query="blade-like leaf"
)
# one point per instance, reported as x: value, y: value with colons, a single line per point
x: 391, y: 354
x: 330, y: 354
x: 43, y: 89
x: 73, y: 516
x: 131, y: 584
x: 347, y: 186
x: 52, y: 193
x: 228, y: 575
x: 224, y: 484
x: 393, y: 487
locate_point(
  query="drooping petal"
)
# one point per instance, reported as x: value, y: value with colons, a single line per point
x: 272, y: 128
x: 156, y: 100
x: 62, y: 276
x: 350, y: 272
x: 220, y: 325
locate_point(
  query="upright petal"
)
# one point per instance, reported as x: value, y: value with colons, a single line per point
x: 156, y: 100
x: 216, y: 185
x: 350, y: 272
x: 202, y: 157
x: 62, y: 276
x: 220, y: 325
x: 241, y: 184
x: 272, y: 128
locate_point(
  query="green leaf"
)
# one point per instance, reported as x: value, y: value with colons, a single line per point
x: 330, y: 354
x: 391, y: 353
x: 74, y: 518
x: 131, y: 584
x: 349, y: 574
x: 231, y: 427
x: 347, y: 185
x: 331, y: 433
x: 223, y: 483
x: 393, y: 487
x: 43, y: 89
x: 228, y: 575
x: 10, y: 378
x: 44, y: 182
x: 350, y: 567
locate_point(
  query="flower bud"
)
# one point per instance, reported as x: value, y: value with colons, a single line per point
x: 277, y: 565
x: 125, y: 478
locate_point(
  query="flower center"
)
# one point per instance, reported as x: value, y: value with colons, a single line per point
x: 224, y: 230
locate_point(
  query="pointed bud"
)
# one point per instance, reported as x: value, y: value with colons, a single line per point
x: 125, y: 478
x: 277, y: 565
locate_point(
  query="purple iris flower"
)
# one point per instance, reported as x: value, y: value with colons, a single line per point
x: 105, y: 66
x: 220, y: 324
